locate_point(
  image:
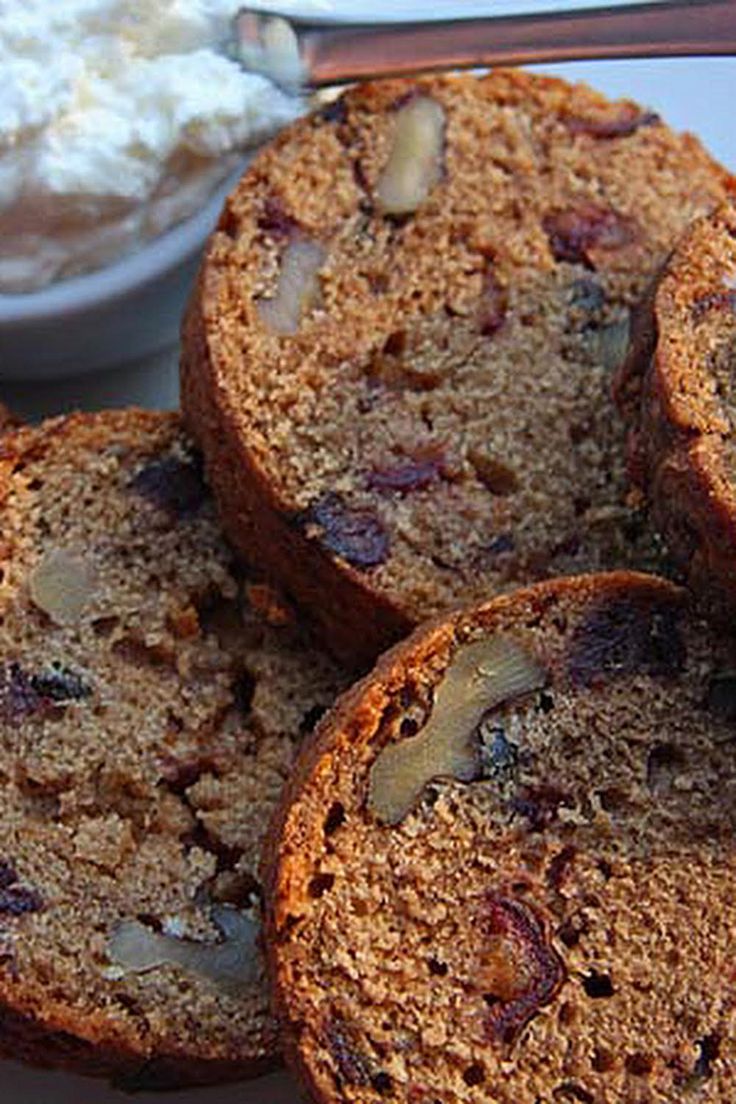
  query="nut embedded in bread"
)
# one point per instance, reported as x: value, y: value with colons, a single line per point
x: 148, y: 717
x: 399, y: 356
x: 553, y: 924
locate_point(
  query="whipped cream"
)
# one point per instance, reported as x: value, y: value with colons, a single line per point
x: 118, y: 118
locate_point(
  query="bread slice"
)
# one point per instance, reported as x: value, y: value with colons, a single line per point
x: 399, y: 356
x: 148, y: 717
x: 504, y: 871
x: 676, y: 386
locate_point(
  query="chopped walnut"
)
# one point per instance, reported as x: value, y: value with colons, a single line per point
x: 481, y: 676
x: 61, y: 584
x: 232, y: 964
x: 414, y: 164
x: 298, y: 288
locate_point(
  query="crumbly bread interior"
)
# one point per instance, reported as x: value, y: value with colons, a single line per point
x: 148, y: 718
x: 432, y: 403
x: 557, y: 929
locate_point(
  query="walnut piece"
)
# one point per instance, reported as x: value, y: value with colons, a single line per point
x: 232, y: 964
x: 481, y: 676
x: 61, y: 584
x: 298, y: 288
x: 414, y: 164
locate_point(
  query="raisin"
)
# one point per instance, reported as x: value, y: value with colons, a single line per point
x: 17, y: 900
x: 520, y: 972
x: 413, y: 475
x: 18, y: 696
x: 623, y: 637
x: 718, y: 301
x: 354, y: 1067
x: 60, y: 684
x: 627, y: 121
x: 574, y: 233
x: 358, y: 536
x: 173, y: 485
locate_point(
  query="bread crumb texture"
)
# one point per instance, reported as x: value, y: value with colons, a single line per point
x: 148, y: 717
x: 405, y: 333
x: 558, y: 924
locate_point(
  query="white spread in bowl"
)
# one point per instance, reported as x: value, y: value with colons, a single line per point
x: 117, y: 120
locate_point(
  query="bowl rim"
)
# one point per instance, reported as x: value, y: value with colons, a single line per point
x: 134, y: 270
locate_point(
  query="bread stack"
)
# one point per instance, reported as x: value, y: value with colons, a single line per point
x: 500, y: 868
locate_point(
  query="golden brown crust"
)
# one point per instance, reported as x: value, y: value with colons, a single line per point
x: 446, y: 525
x: 256, y: 521
x: 675, y: 392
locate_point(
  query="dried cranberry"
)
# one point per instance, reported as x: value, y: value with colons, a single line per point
x: 718, y: 301
x: 628, y: 120
x: 274, y: 220
x: 176, y: 486
x: 520, y: 971
x: 413, y: 475
x: 623, y: 636
x: 358, y: 536
x: 574, y: 233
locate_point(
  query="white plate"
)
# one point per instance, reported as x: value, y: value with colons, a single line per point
x: 691, y: 94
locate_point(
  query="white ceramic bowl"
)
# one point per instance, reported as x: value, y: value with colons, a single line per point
x: 124, y: 312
